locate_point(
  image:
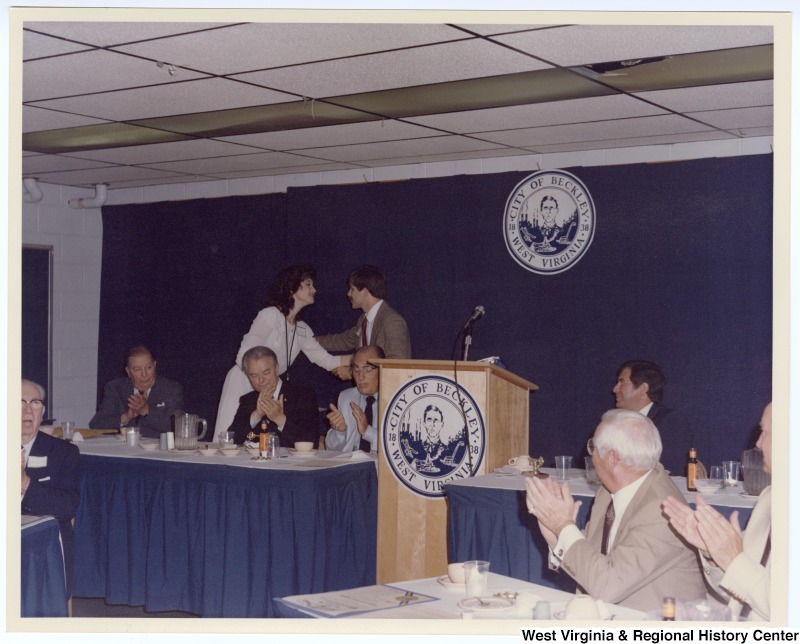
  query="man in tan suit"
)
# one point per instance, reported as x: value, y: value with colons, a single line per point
x: 736, y: 563
x: 627, y: 554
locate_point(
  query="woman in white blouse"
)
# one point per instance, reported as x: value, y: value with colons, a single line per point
x: 278, y: 327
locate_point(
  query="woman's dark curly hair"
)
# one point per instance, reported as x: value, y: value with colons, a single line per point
x: 281, y: 295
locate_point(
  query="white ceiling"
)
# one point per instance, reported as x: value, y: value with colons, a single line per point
x: 84, y: 84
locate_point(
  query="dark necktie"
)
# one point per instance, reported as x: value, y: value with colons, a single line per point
x: 609, y: 521
x: 364, y: 339
x: 363, y: 444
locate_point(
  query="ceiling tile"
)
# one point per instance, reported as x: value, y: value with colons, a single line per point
x: 385, y: 130
x: 56, y: 163
x: 412, y: 147
x: 734, y: 119
x: 36, y: 120
x: 158, y: 152
x: 263, y: 45
x: 91, y: 71
x: 709, y: 135
x: 407, y: 68
x: 493, y: 30
x: 598, y: 130
x: 108, y: 175
x: 217, y: 165
x: 539, y: 114
x: 204, y: 95
x: 693, y: 99
x: 107, y: 34
x: 584, y: 44
x: 436, y: 158
x: 39, y: 46
x: 296, y: 169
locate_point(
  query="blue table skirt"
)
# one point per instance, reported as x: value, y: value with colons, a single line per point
x: 494, y: 525
x: 221, y: 541
x: 44, y: 592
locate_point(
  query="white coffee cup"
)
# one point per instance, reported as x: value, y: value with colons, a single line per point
x: 581, y: 607
x: 455, y: 571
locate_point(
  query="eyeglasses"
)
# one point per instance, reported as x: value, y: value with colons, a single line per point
x: 36, y: 403
x: 590, y: 446
x: 366, y: 369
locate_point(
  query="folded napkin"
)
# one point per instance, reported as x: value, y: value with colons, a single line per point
x: 77, y: 437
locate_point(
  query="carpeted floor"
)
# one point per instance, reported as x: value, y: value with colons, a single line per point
x: 94, y: 607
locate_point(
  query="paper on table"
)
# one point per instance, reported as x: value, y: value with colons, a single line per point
x: 356, y: 601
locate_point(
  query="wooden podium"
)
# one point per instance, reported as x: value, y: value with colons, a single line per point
x: 431, y: 431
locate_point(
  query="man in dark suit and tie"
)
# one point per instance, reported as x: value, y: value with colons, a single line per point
x: 354, y: 422
x: 379, y: 324
x: 290, y: 409
x: 640, y: 387
x: 142, y: 400
x: 50, y: 479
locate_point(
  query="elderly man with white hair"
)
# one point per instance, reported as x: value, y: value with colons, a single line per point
x: 627, y: 554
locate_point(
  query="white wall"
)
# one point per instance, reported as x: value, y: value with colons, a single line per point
x: 76, y: 236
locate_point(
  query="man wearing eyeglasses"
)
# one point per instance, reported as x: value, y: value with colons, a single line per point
x: 627, y: 554
x: 354, y: 420
x: 50, y: 479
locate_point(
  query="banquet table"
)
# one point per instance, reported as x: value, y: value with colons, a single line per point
x: 441, y: 600
x: 488, y: 519
x: 221, y: 536
x: 43, y: 585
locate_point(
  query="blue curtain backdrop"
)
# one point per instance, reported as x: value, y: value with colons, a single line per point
x: 679, y: 272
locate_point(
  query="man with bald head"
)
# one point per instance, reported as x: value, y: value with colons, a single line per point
x: 627, y: 554
x: 50, y: 479
x: 735, y: 563
x: 143, y: 399
x: 354, y: 421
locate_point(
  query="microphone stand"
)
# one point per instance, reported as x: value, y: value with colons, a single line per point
x: 467, y: 339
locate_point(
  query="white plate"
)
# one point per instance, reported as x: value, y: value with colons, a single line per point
x: 294, y: 452
x: 445, y: 581
x: 183, y: 452
x: 207, y: 451
x: 562, y: 614
x: 485, y: 603
x: 148, y: 446
x: 230, y: 453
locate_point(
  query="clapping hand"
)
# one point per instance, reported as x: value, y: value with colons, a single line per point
x: 336, y: 418
x: 552, y: 505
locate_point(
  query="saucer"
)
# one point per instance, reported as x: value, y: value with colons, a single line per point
x: 485, y: 603
x: 562, y: 614
x: 294, y: 452
x: 450, y: 585
x: 148, y: 446
x: 229, y: 452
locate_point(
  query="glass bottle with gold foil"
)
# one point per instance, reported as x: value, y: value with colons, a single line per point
x: 691, y: 470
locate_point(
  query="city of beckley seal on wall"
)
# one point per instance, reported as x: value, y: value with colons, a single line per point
x: 426, y: 436
x: 549, y: 221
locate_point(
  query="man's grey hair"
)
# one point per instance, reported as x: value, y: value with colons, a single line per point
x: 256, y: 353
x: 42, y: 392
x: 631, y: 435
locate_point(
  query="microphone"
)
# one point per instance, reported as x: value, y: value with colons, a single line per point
x: 477, y: 314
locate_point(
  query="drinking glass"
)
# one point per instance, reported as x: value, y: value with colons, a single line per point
x: 563, y: 464
x: 730, y: 472
x: 476, y: 574
x: 68, y: 430
x: 715, y: 473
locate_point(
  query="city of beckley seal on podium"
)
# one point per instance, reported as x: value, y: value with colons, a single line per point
x: 549, y: 222
x: 426, y: 438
